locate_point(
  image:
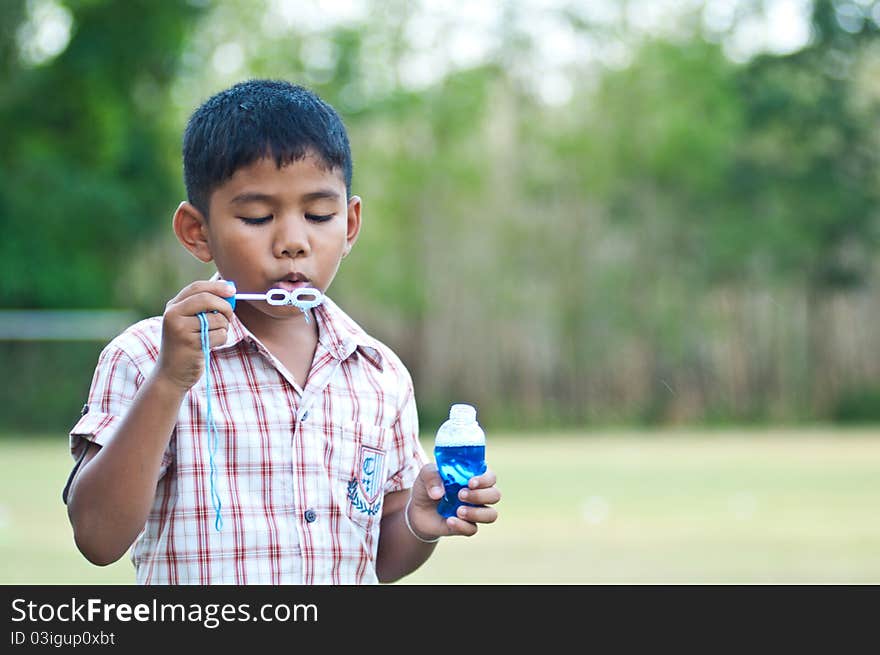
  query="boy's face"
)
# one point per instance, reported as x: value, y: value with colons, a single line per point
x: 287, y: 228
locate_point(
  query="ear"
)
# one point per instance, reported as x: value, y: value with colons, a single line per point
x: 190, y: 226
x: 353, y: 225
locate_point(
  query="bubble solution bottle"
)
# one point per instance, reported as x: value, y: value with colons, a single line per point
x: 460, y: 453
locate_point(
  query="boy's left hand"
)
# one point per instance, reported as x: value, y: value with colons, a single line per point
x: 428, y: 490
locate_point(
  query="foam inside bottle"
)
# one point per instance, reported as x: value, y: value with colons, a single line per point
x: 460, y: 453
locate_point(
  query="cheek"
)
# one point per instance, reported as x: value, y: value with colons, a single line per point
x: 233, y: 249
x: 332, y: 240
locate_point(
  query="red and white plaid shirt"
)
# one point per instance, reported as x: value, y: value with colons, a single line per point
x: 301, y: 473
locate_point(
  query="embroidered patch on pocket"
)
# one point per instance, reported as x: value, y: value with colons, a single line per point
x: 365, y: 491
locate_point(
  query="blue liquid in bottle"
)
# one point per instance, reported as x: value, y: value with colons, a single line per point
x: 460, y: 454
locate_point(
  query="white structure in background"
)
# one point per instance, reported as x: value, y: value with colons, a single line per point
x: 63, y: 325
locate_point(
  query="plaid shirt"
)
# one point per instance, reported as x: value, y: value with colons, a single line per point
x: 301, y: 473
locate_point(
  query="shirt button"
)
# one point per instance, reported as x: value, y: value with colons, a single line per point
x: 85, y: 410
x: 310, y: 515
x: 305, y: 415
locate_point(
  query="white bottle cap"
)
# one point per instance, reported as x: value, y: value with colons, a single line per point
x: 461, y: 429
x: 461, y: 413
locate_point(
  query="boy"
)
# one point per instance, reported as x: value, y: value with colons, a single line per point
x: 319, y: 472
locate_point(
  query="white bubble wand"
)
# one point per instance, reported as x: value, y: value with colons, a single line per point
x: 304, y: 299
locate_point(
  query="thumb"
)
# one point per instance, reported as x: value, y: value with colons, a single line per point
x: 433, y: 483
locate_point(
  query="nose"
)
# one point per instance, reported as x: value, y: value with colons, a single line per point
x: 291, y: 237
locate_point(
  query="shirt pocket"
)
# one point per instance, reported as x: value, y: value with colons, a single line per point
x: 362, y: 468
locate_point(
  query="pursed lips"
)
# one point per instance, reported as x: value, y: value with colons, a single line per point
x: 292, y: 282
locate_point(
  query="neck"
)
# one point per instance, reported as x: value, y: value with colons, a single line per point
x: 283, y: 331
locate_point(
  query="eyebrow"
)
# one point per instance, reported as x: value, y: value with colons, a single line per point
x: 253, y: 196
x: 321, y: 194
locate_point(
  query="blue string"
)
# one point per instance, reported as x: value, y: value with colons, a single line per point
x: 213, y: 436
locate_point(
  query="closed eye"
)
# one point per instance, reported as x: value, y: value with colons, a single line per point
x: 317, y: 218
x: 255, y: 221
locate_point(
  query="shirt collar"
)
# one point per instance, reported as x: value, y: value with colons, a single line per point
x: 342, y: 337
x: 237, y: 333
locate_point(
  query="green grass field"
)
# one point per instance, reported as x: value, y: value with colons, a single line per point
x: 771, y: 506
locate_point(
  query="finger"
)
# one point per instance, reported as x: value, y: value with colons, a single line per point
x: 215, y: 322
x: 485, y: 479
x: 477, y: 514
x: 199, y: 303
x: 203, y: 302
x: 218, y: 337
x: 458, y: 526
x: 216, y: 287
x: 488, y: 496
x: 432, y: 481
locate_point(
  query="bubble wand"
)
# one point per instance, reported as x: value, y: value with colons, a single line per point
x: 304, y: 299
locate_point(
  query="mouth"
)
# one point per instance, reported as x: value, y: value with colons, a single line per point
x: 293, y: 281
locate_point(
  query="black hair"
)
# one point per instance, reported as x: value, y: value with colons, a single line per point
x: 256, y: 119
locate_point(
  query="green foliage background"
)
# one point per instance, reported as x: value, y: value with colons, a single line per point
x: 688, y: 238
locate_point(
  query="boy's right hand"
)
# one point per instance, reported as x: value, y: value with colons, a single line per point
x: 181, y: 360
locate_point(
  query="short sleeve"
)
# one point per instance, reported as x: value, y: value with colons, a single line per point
x: 114, y: 385
x: 411, y: 456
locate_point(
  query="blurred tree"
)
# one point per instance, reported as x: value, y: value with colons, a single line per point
x: 84, y: 174
x: 653, y: 156
x: 808, y: 169
x: 740, y: 175
x: 550, y: 260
